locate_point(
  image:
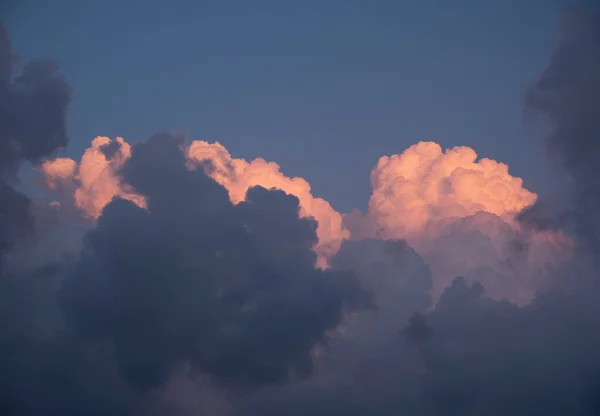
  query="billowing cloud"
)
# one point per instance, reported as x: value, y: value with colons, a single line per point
x: 59, y: 172
x: 238, y: 175
x: 190, y: 280
x: 460, y: 214
x: 196, y: 291
x: 484, y: 356
x: 422, y: 195
x: 424, y: 184
x: 95, y: 180
x: 231, y: 289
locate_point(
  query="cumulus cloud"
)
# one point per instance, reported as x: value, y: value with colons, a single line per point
x: 423, y: 184
x: 230, y: 289
x: 460, y: 214
x: 172, y: 275
x: 479, y: 355
x: 423, y: 195
x: 95, y: 183
x: 190, y: 279
x: 195, y: 290
x: 238, y: 175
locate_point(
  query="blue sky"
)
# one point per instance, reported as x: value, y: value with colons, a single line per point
x: 324, y: 88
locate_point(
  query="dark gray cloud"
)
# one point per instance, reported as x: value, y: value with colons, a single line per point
x: 230, y: 289
x: 16, y: 218
x: 370, y: 369
x: 45, y: 370
x: 489, y: 357
x: 568, y: 94
x: 41, y: 366
x: 33, y: 108
x: 493, y: 358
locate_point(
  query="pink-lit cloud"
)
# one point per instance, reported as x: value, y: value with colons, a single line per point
x: 94, y: 179
x: 458, y: 212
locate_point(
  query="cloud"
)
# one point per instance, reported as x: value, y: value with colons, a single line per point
x: 171, y: 275
x: 478, y: 355
x: 96, y: 183
x: 512, y: 262
x: 423, y: 195
x: 192, y: 279
x: 41, y: 367
x: 231, y: 289
x: 95, y: 180
x: 33, y: 109
x: 567, y: 94
x: 492, y: 357
x: 424, y: 184
x: 369, y: 368
x: 238, y: 175
x: 460, y: 214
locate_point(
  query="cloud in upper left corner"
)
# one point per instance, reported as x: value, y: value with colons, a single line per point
x: 33, y: 125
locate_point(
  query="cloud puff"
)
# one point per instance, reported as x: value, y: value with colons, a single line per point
x: 94, y: 181
x: 424, y: 184
x: 460, y: 214
x: 238, y: 175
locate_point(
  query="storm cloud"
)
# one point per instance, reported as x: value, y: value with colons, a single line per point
x: 231, y: 289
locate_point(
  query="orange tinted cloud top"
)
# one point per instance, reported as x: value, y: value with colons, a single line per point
x: 58, y: 172
x: 436, y: 200
x: 425, y: 184
x: 94, y: 179
x: 432, y: 198
x: 96, y: 183
x: 238, y: 175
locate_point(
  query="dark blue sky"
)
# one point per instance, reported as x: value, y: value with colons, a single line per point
x: 324, y: 88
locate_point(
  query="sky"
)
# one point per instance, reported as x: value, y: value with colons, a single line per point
x: 178, y: 232
x: 322, y: 88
